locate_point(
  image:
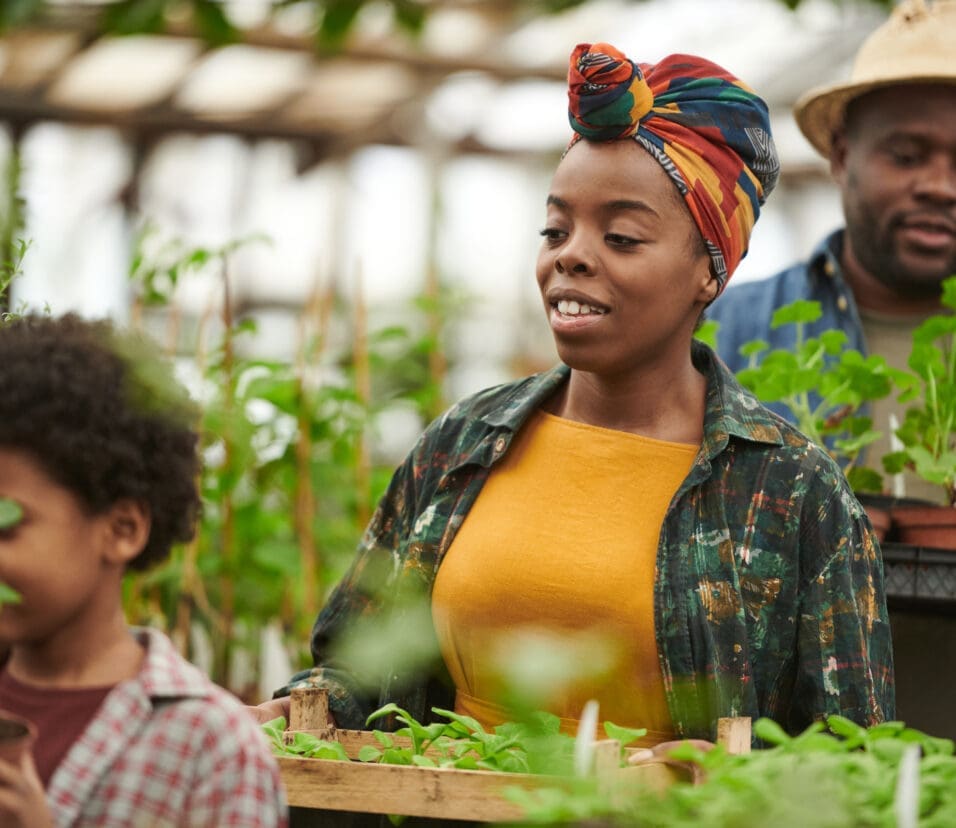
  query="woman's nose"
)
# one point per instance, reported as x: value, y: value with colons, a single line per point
x: 575, y: 258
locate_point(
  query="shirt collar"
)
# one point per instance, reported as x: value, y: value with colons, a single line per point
x: 730, y: 409
x: 164, y: 672
x: 824, y: 261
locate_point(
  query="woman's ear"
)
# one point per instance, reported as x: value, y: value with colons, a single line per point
x: 128, y: 524
x: 709, y: 287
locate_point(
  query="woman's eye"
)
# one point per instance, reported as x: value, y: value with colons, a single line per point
x: 620, y: 241
x: 553, y: 234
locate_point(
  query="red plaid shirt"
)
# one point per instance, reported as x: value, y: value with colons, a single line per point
x: 168, y: 748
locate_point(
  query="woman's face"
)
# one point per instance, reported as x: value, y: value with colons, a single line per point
x: 622, y: 269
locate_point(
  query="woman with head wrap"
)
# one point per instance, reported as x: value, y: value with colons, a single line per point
x: 634, y: 512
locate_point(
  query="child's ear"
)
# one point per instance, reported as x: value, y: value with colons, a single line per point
x: 128, y: 523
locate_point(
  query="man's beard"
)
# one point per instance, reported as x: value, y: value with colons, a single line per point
x: 876, y: 248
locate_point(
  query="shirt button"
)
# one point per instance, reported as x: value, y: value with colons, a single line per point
x: 829, y: 269
x: 499, y: 445
x: 842, y: 304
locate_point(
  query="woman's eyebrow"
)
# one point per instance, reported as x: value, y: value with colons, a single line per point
x: 612, y: 206
x: 627, y: 204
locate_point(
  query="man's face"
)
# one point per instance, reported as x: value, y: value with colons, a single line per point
x: 896, y: 167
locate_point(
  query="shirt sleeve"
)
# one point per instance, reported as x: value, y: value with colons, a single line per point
x: 363, y: 597
x: 238, y: 783
x: 844, y: 647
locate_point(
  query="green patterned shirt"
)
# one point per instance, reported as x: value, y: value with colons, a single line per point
x: 769, y: 593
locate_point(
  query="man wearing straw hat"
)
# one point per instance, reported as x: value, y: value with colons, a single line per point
x: 890, y: 136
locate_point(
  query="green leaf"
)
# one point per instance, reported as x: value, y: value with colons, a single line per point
x: 894, y: 462
x: 277, y: 557
x: 8, y: 595
x: 18, y: 12
x: 468, y: 724
x: 862, y: 479
x: 213, y: 25
x: 769, y: 731
x: 847, y: 728
x: 833, y: 341
x: 337, y: 21
x: 11, y: 513
x: 369, y: 753
x: 802, y: 311
x: 625, y: 735
x: 754, y: 347
x: 410, y: 15
x: 949, y: 292
x: 707, y: 333
x: 135, y: 17
x: 424, y: 762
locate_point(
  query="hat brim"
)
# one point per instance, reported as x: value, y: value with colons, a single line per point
x: 819, y: 113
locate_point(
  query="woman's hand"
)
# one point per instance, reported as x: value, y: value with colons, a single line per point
x: 22, y: 798
x: 659, y: 753
x: 272, y: 709
x: 269, y: 710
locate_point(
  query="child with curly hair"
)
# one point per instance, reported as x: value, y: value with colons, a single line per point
x: 98, y: 461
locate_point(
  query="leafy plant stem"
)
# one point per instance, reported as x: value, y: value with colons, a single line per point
x: 363, y: 390
x: 227, y: 599
x: 304, y: 510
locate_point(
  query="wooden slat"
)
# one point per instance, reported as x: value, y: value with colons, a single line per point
x: 432, y: 792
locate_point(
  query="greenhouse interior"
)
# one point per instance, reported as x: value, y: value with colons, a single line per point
x: 326, y: 214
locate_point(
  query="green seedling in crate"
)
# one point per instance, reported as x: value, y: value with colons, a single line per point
x: 835, y: 774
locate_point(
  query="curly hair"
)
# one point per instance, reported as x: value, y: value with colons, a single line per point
x: 102, y: 415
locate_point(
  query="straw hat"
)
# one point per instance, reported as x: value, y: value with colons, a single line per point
x: 916, y: 45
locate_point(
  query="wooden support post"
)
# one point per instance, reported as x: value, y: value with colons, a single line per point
x: 734, y: 734
x: 309, y: 712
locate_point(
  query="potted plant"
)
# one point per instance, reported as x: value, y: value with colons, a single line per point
x: 825, y: 385
x: 928, y: 431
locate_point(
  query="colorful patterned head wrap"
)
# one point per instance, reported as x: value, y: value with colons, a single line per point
x: 707, y: 129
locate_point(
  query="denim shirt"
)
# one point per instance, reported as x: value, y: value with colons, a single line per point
x: 768, y: 594
x: 744, y: 310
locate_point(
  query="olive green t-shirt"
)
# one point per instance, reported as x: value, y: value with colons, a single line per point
x: 892, y: 338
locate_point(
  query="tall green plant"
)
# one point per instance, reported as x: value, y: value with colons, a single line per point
x: 288, y: 483
x: 928, y: 431
x: 825, y: 385
x: 13, y: 248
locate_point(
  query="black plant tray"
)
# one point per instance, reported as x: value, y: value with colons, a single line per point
x: 919, y: 576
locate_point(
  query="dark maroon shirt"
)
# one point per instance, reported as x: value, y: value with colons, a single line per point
x: 60, y: 715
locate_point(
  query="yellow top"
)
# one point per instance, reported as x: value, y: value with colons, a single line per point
x: 549, y: 582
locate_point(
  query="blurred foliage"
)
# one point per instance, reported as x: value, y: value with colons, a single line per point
x: 334, y: 19
x: 288, y: 482
x: 12, y: 247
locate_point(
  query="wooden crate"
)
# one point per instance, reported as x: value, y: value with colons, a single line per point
x: 447, y: 793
